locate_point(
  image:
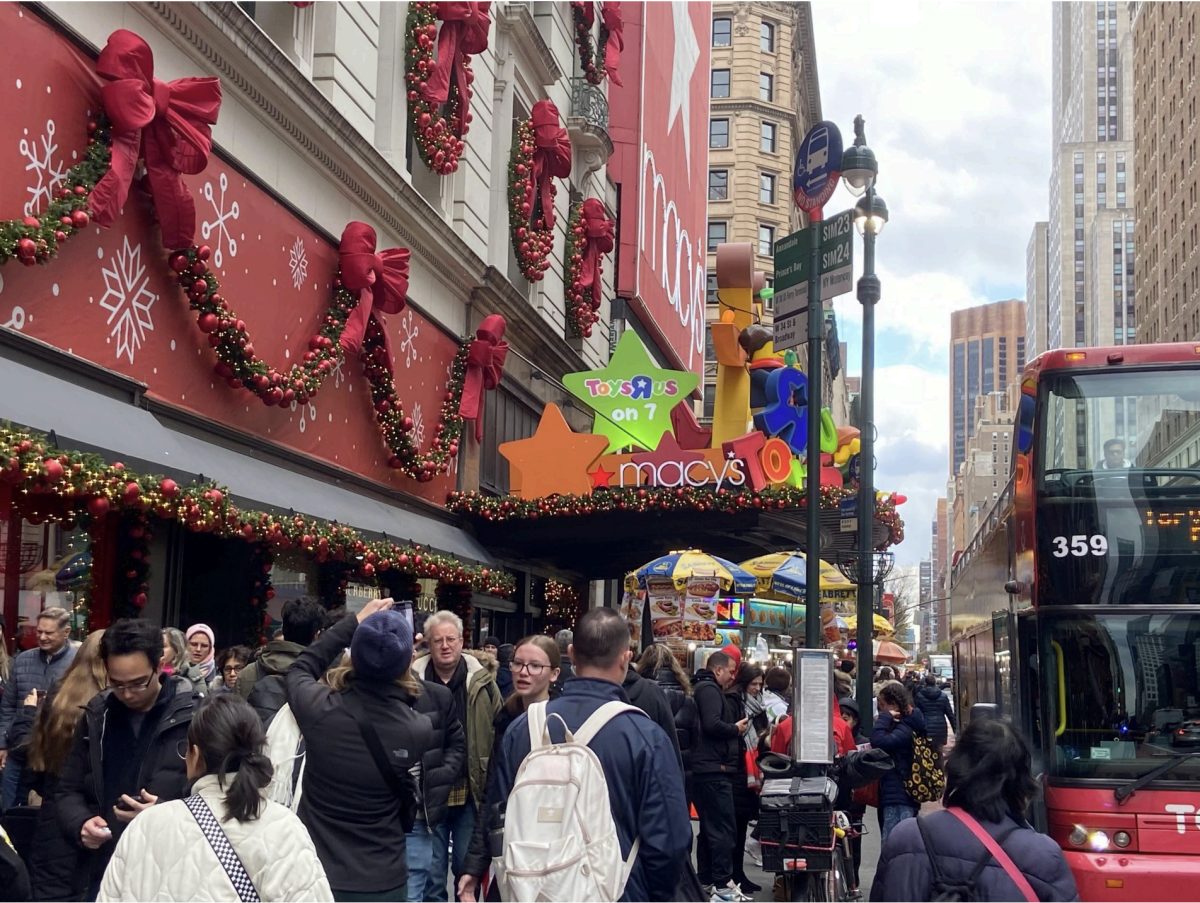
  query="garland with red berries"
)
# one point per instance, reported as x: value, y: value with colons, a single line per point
x: 261, y: 592
x: 239, y: 365
x: 591, y: 58
x: 437, y: 134
x: 133, y: 565
x: 35, y: 239
x: 563, y: 607
x: 532, y: 241
x: 651, y: 499
x: 581, y: 316
x: 86, y: 488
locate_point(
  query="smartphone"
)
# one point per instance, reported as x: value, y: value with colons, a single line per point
x: 121, y: 804
x: 405, y: 608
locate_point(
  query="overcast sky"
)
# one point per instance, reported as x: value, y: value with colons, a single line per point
x: 957, y: 102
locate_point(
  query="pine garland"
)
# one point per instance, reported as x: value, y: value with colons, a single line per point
x: 532, y: 241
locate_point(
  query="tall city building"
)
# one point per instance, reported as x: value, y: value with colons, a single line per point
x: 939, y: 560
x: 1090, y: 234
x: 925, y: 585
x: 987, y: 350
x: 1037, y: 287
x: 764, y: 95
x: 1165, y: 100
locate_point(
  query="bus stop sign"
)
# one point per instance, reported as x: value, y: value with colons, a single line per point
x: 818, y: 166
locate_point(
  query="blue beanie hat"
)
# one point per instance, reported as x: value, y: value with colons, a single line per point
x: 382, y: 647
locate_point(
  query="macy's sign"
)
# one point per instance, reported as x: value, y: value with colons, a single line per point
x: 681, y: 275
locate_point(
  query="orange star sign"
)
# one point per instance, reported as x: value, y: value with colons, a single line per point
x: 555, y: 459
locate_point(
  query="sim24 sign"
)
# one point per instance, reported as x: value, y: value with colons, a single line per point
x: 818, y: 166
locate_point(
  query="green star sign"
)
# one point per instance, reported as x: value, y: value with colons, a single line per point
x: 632, y: 397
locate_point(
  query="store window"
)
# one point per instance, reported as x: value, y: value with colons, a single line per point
x: 718, y: 133
x: 769, y: 132
x: 716, y: 235
x: 718, y: 184
x: 720, y: 83
x: 50, y: 565
x: 766, y: 188
x: 767, y: 38
x: 722, y: 32
x: 506, y: 419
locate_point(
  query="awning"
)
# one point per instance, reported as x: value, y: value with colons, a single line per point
x: 102, y: 415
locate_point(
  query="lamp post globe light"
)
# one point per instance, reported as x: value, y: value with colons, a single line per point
x: 859, y: 166
x: 860, y: 170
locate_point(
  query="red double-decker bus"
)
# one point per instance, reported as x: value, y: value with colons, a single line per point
x: 1075, y: 608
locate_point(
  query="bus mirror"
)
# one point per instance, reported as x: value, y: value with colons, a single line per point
x: 1012, y: 587
x: 1025, y: 415
x: 985, y: 711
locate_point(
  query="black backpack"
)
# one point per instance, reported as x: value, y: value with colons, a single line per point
x: 945, y: 889
x: 268, y: 696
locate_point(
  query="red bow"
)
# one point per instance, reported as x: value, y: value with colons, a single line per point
x: 598, y: 239
x: 587, y: 9
x: 551, y: 157
x: 166, y: 124
x: 615, y: 23
x: 381, y: 281
x: 485, y: 366
x: 464, y: 31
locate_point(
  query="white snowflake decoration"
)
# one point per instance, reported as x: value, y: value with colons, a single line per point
x: 418, y: 430
x: 128, y: 299
x: 298, y: 261
x: 49, y: 173
x: 305, y: 409
x: 224, y: 237
x: 339, y: 372
x: 408, y: 338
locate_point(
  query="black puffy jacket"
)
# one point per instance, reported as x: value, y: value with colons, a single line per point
x: 162, y: 771
x: 442, y: 762
x: 717, y: 744
x: 935, y: 706
x: 683, y: 707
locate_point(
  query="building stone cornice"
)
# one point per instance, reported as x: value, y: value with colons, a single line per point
x: 516, y: 20
x: 808, y: 61
x: 758, y: 108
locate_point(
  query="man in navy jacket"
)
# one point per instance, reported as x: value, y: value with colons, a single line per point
x: 645, y: 782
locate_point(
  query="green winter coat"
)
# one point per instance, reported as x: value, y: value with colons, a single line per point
x: 483, y: 702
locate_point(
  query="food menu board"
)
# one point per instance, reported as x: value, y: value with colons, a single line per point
x: 777, y: 617
x: 726, y: 637
x: 700, y: 608
x: 633, y: 603
x: 666, y: 608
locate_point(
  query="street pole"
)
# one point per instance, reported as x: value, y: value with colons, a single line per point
x: 816, y: 323
x: 868, y: 295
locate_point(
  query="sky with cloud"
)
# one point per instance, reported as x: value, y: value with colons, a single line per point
x: 956, y: 97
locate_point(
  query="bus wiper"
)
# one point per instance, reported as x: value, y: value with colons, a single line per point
x: 1125, y: 791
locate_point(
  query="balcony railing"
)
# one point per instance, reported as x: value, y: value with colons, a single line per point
x: 589, y: 103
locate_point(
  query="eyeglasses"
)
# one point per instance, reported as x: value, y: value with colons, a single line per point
x: 135, y: 687
x: 445, y: 640
x: 534, y: 668
x: 49, y: 633
x: 233, y: 669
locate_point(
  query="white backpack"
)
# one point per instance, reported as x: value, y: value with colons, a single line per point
x: 560, y: 840
x: 283, y: 742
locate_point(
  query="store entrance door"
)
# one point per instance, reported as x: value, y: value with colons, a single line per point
x: 215, y: 585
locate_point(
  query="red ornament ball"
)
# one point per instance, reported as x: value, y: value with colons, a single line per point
x: 79, y: 219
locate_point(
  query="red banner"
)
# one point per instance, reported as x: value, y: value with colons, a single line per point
x: 110, y: 297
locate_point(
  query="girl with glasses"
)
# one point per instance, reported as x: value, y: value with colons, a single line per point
x: 536, y: 663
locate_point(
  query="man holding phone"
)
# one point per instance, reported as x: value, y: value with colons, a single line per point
x: 128, y: 749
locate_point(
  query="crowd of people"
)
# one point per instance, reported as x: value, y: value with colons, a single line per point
x: 367, y: 757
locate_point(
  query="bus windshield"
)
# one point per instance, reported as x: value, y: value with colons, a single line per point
x: 1118, y: 480
x: 1121, y: 694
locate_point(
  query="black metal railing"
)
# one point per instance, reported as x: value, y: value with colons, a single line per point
x: 589, y: 103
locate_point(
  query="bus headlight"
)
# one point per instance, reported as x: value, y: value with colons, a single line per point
x: 1098, y: 841
x: 1078, y: 836
x: 1122, y: 839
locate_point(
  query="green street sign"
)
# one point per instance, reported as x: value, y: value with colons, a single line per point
x: 792, y: 258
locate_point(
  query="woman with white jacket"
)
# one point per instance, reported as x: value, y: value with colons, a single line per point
x: 169, y: 852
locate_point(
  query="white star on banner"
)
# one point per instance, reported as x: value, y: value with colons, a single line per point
x: 687, y: 55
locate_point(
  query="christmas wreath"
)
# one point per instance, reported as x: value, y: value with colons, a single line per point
x: 439, y: 91
x: 600, y: 60
x: 589, y: 235
x: 541, y: 150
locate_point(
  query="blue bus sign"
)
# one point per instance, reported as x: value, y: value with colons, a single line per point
x: 818, y: 166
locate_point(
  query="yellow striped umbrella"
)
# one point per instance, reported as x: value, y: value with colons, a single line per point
x: 786, y: 573
x: 880, y: 623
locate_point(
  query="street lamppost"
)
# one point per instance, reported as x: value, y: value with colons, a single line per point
x: 860, y: 171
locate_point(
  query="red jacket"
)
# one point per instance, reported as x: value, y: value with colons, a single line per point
x: 781, y: 740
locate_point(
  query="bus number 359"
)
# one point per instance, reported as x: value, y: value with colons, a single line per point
x: 1080, y: 545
